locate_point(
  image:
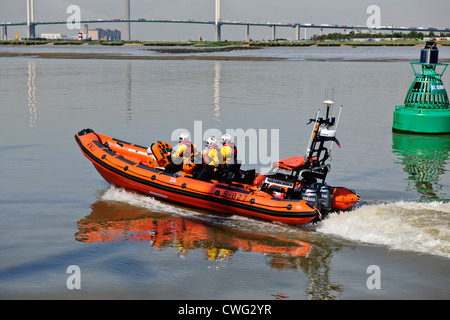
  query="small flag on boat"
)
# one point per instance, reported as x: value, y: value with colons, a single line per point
x: 337, y: 142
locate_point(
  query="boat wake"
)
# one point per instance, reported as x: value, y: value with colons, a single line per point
x: 142, y: 201
x: 234, y: 222
x: 408, y: 226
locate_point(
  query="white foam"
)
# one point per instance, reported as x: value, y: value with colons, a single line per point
x: 142, y: 201
x: 411, y: 226
x: 233, y: 221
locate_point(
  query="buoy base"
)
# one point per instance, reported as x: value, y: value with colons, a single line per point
x: 419, y: 120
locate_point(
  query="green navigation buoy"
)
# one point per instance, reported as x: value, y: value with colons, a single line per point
x: 426, y: 106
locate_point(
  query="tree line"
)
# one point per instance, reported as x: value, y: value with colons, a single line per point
x: 352, y: 35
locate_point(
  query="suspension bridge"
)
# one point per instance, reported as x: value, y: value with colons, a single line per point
x: 218, y: 23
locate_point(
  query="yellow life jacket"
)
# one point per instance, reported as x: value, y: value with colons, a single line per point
x: 186, y: 150
x: 211, y: 156
x: 229, y: 153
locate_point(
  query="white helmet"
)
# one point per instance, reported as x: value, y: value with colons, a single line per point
x: 226, y: 138
x: 211, y: 141
x: 184, y: 136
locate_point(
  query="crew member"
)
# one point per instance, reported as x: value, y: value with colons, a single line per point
x: 211, y: 159
x: 183, y: 157
x: 229, y: 158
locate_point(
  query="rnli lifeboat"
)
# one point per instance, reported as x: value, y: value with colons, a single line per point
x: 291, y: 193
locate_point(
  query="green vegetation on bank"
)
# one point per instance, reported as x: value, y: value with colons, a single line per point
x: 417, y: 35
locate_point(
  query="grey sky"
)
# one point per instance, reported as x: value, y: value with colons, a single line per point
x: 431, y: 13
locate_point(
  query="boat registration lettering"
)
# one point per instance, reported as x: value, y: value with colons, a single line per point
x: 279, y: 182
x: 233, y: 195
x: 92, y: 146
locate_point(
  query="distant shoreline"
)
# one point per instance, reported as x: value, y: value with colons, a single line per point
x: 252, y: 44
x: 192, y: 50
x: 116, y: 56
x: 103, y: 56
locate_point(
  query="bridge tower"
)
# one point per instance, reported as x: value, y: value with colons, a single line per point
x: 30, y: 19
x: 127, y: 24
x: 218, y: 23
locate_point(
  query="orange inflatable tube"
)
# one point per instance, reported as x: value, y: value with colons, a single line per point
x: 127, y: 165
x: 344, y: 198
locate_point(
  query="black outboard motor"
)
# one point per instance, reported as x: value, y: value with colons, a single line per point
x: 318, y: 194
x: 326, y: 198
x: 310, y: 195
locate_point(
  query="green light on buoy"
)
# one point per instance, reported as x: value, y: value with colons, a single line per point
x: 426, y: 107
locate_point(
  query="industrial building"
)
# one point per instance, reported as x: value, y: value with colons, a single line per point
x: 104, y: 34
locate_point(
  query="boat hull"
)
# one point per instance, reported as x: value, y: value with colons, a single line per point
x: 131, y: 173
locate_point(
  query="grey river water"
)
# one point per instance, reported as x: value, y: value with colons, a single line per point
x: 56, y: 211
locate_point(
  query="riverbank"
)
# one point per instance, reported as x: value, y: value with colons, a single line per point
x: 225, y: 43
x: 218, y: 53
x: 112, y: 56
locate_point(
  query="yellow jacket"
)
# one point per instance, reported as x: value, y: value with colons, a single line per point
x: 211, y: 156
x: 229, y: 153
x: 183, y: 153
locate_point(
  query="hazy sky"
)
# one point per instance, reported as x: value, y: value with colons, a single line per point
x: 430, y: 13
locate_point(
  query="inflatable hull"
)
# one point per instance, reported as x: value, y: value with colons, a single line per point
x: 128, y: 166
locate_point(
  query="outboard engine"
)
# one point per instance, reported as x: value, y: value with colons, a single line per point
x: 318, y: 194
x: 310, y: 195
x: 326, y: 198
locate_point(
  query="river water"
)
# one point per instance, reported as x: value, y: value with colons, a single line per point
x: 56, y: 211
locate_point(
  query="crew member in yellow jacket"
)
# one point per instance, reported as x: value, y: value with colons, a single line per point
x: 229, y: 157
x: 211, y: 159
x: 183, y: 157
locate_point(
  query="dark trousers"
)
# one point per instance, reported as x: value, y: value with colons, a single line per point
x: 206, y: 173
x: 229, y: 172
x: 172, y: 167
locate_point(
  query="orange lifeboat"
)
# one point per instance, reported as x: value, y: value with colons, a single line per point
x: 291, y: 193
x: 129, y: 166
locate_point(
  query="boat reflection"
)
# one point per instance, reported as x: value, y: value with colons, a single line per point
x: 424, y: 158
x: 115, y: 221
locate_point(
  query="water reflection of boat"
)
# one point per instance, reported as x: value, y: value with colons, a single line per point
x: 424, y: 158
x: 115, y: 221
